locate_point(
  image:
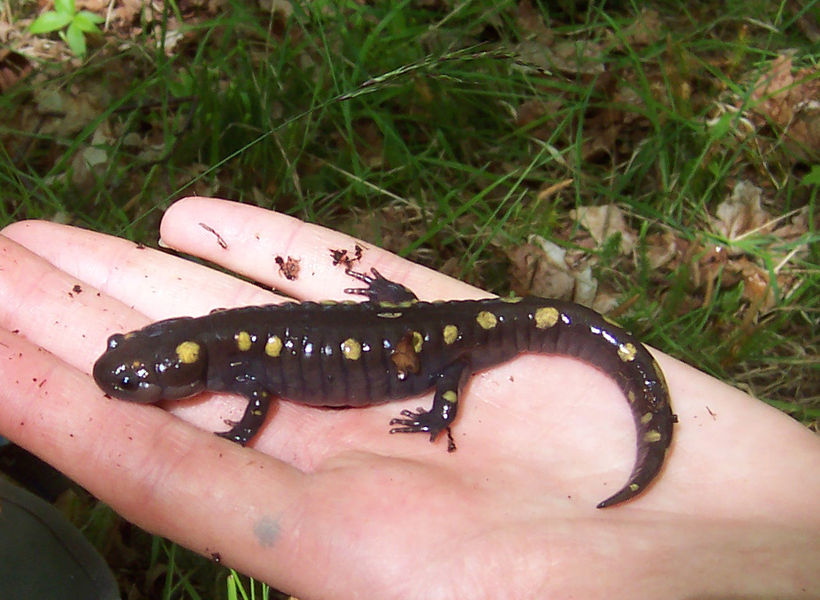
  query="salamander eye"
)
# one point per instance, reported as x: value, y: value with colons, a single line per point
x: 128, y: 383
x: 115, y: 340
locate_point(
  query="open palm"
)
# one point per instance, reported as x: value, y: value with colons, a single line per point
x: 327, y: 504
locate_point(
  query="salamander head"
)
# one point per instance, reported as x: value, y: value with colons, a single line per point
x: 145, y: 368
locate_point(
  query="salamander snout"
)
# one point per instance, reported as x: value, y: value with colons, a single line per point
x: 143, y: 370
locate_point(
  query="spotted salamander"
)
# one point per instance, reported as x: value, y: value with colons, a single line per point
x: 389, y: 347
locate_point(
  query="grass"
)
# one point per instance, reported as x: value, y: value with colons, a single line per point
x: 453, y: 136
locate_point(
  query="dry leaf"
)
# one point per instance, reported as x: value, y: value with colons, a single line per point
x: 614, y: 131
x: 586, y: 290
x: 662, y: 249
x: 602, y: 222
x: 13, y: 68
x: 741, y: 213
x: 68, y: 113
x: 542, y: 268
x: 281, y: 6
x: 531, y: 23
x: 530, y: 111
x: 756, y: 288
x: 536, y: 272
x: 706, y: 265
x: 788, y: 102
x: 578, y: 57
x: 645, y: 29
x: 797, y: 226
x: 95, y: 6
x: 92, y: 160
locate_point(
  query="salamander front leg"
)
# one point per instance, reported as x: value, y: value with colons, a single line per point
x: 252, y: 420
x: 380, y: 289
x: 445, y: 406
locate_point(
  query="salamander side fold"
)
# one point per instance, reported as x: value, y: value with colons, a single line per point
x: 389, y: 347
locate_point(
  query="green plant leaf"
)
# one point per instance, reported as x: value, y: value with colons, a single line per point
x: 87, y: 21
x: 812, y: 177
x: 50, y: 21
x: 182, y: 85
x: 722, y: 126
x: 75, y: 39
x: 65, y: 7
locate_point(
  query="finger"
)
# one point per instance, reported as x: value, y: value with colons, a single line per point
x: 157, y: 284
x: 72, y: 320
x: 54, y: 310
x: 247, y: 240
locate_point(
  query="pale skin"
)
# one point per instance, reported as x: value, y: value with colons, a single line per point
x: 328, y: 504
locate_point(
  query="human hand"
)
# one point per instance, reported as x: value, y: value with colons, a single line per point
x: 327, y: 504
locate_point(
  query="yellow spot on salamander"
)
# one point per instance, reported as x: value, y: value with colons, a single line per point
x: 646, y: 418
x: 243, y: 341
x: 404, y: 304
x: 328, y: 303
x: 450, y: 333
x: 486, y: 319
x: 188, y: 352
x: 634, y: 487
x: 274, y: 346
x: 652, y: 436
x: 546, y: 317
x: 627, y: 352
x: 351, y: 349
x: 389, y: 315
x: 512, y: 299
x: 450, y: 396
x: 418, y: 342
x: 631, y: 397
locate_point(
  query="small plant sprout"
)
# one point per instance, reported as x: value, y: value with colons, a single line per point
x: 70, y: 25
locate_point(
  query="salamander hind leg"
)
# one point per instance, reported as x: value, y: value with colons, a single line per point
x: 248, y: 426
x: 444, y: 410
x: 380, y: 289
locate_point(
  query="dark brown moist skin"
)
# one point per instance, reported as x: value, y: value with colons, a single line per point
x: 388, y: 348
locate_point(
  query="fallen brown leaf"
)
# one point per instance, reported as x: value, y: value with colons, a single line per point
x: 540, y: 270
x: 602, y: 222
x: 645, y: 29
x: 13, y: 68
x: 788, y: 102
x: 741, y: 213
